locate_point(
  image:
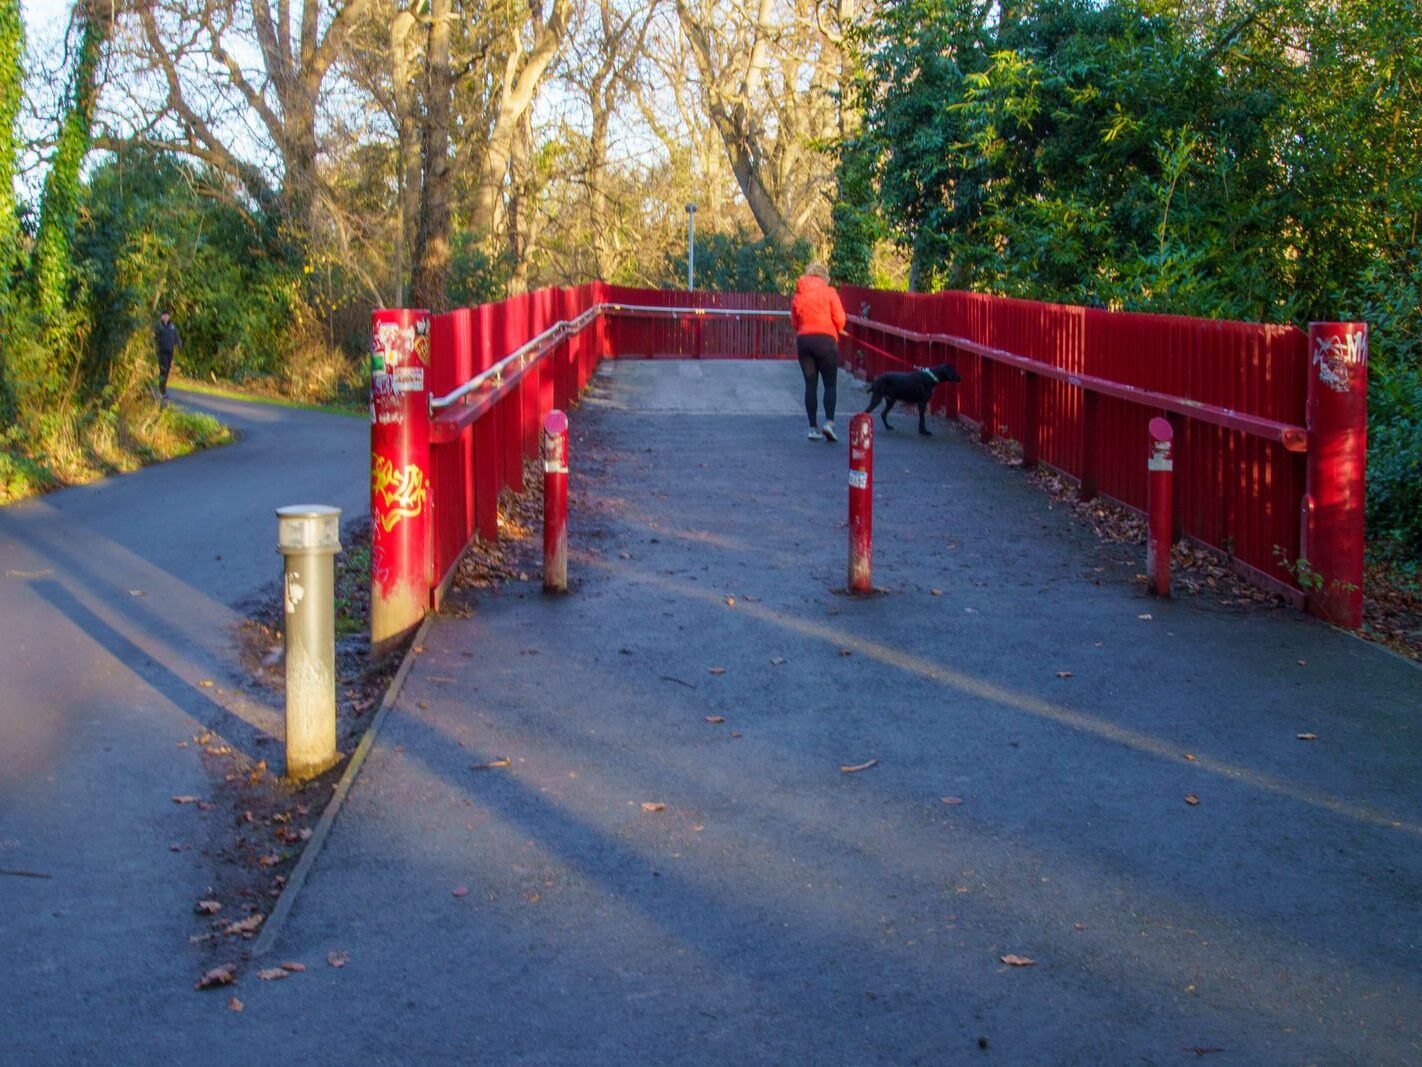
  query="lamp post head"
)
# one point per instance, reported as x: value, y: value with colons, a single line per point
x: 691, y: 209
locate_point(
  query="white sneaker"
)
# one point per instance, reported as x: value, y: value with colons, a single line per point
x: 815, y: 435
x: 828, y: 429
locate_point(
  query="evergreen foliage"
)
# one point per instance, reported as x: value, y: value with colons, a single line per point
x: 1258, y: 162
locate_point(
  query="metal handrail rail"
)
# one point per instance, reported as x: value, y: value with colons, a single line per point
x: 1293, y: 438
x: 522, y: 357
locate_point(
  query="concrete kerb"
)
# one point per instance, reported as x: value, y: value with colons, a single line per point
x: 271, y: 929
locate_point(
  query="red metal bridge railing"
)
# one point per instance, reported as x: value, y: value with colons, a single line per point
x: 1268, y: 422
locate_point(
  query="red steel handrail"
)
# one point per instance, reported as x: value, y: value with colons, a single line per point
x: 1293, y: 438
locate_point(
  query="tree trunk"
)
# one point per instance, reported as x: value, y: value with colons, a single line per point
x: 408, y: 149
x: 52, y: 263
x: 431, y: 265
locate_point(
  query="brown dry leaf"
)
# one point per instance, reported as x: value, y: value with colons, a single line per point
x: 1190, y: 756
x: 493, y: 764
x: 273, y: 974
x: 713, y: 719
x: 207, y: 907
x: 716, y: 670
x: 653, y: 805
x: 294, y: 968
x: 236, y: 1005
x: 730, y: 602
x: 935, y: 592
x: 853, y: 768
x: 245, y: 926
x: 271, y: 859
x: 218, y: 976
x: 951, y: 801
x: 1018, y: 961
x: 185, y: 800
x: 1307, y: 737
x: 459, y: 891
x: 1064, y: 674
x: 1191, y: 799
x: 207, y: 683
x: 338, y: 959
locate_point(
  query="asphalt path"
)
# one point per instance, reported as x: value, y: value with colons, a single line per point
x: 616, y: 827
x: 118, y: 600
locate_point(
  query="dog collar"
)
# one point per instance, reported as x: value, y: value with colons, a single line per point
x: 930, y: 374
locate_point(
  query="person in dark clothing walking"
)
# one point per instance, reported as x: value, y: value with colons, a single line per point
x: 818, y: 317
x: 165, y: 339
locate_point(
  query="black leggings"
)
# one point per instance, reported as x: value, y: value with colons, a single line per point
x: 819, y: 357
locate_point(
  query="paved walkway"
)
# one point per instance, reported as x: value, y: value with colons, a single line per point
x: 118, y: 599
x: 645, y: 883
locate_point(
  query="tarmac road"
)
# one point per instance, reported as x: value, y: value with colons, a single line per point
x: 117, y: 600
x: 640, y: 883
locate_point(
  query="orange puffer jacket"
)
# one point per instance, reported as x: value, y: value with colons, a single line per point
x: 816, y: 307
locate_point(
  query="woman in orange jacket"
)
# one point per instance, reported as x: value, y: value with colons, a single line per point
x: 818, y: 317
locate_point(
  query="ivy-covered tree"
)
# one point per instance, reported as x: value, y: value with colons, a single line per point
x: 12, y: 52
x: 52, y: 269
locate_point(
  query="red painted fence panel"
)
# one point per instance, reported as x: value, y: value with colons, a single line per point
x: 1075, y: 387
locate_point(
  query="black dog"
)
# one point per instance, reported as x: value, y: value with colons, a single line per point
x: 910, y: 387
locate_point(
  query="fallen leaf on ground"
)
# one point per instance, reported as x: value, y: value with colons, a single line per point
x: 1190, y: 756
x: 294, y: 968
x: 851, y: 768
x: 136, y: 592
x: 207, y: 683
x: 185, y: 800
x: 207, y: 907
x: 1063, y: 674
x: 777, y: 660
x: 935, y: 592
x: 716, y: 670
x: 224, y: 975
x: 653, y: 805
x: 1147, y: 616
x: 1307, y: 737
x: 1303, y: 663
x: 273, y: 974
x: 338, y: 959
x: 715, y: 718
x: 951, y: 800
x: 236, y: 1005
x: 1019, y: 961
x: 493, y: 764
x: 730, y: 602
x: 203, y: 805
x: 846, y: 651
x: 1191, y: 799
x: 459, y: 891
x: 735, y: 733
x: 245, y: 926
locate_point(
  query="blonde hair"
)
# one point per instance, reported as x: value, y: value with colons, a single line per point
x: 818, y: 269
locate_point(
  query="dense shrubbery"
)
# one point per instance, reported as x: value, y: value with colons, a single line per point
x: 737, y: 263
x: 1254, y: 162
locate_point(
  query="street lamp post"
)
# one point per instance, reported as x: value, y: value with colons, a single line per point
x: 690, y: 247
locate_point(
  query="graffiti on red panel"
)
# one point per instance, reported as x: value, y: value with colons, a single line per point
x: 1338, y: 356
x: 401, y: 493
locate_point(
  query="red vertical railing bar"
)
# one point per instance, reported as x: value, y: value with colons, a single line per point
x: 1332, y: 508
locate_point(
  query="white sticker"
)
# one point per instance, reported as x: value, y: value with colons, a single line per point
x: 859, y: 479
x: 1159, y: 463
x: 552, y: 466
x: 408, y: 379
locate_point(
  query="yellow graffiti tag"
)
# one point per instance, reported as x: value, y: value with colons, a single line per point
x: 402, y: 492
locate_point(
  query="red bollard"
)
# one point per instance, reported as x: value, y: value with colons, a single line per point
x: 1159, y: 512
x: 1331, y: 564
x: 555, y: 503
x: 861, y: 503
x: 400, y: 525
